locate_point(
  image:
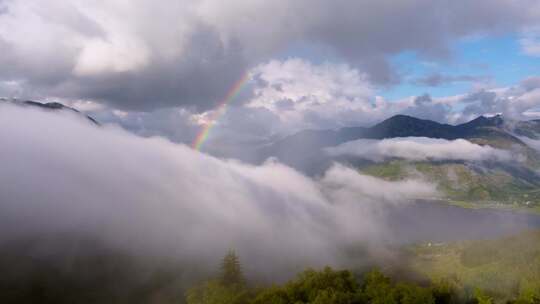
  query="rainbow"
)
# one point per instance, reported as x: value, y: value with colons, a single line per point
x: 219, y: 111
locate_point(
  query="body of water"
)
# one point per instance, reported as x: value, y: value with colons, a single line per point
x: 438, y: 222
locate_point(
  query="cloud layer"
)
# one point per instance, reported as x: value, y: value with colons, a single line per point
x: 63, y: 175
x: 142, y: 55
x: 419, y: 149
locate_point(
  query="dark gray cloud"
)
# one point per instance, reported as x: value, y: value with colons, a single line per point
x: 483, y: 102
x: 173, y: 123
x: 142, y: 55
x: 425, y: 107
x: 284, y: 104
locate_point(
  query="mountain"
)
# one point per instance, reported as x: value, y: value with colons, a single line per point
x: 300, y: 149
x: 460, y: 181
x: 406, y: 126
x: 49, y: 106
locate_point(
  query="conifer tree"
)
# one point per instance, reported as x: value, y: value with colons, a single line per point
x: 231, y: 270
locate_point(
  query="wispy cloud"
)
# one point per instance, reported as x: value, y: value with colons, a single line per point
x: 530, y: 42
x: 437, y: 79
x: 419, y: 149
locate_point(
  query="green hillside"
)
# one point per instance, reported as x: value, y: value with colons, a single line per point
x: 500, y: 185
x: 504, y: 268
x: 465, y: 183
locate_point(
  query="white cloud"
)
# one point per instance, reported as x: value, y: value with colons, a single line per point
x: 349, y: 183
x: 99, y: 57
x: 419, y: 149
x: 304, y: 95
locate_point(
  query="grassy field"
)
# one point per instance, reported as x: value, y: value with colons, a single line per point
x: 504, y: 268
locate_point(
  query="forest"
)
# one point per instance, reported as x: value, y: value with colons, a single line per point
x: 331, y: 286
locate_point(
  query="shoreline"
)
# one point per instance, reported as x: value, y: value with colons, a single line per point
x: 482, y: 206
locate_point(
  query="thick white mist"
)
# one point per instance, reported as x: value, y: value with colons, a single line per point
x: 63, y: 175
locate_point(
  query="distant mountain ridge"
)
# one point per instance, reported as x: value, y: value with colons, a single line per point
x: 304, y: 150
x: 305, y: 143
x: 53, y: 106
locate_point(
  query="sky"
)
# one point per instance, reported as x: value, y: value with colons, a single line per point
x: 497, y: 61
x: 164, y: 69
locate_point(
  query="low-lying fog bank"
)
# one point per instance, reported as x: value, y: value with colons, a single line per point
x: 62, y: 176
